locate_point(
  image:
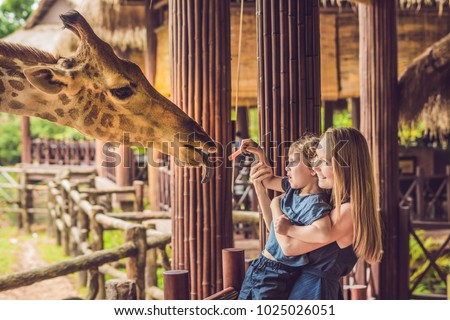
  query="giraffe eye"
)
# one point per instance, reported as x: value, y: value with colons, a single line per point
x: 122, y: 93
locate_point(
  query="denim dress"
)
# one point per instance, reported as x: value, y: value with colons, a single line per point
x: 267, y: 279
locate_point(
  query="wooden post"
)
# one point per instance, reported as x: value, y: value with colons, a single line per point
x: 447, y: 172
x: 202, y: 224
x: 404, y: 227
x: 26, y: 140
x: 97, y: 244
x: 358, y: 292
x: 379, y: 124
x: 23, y: 217
x: 135, y: 266
x: 329, y: 108
x: 151, y: 278
x: 121, y: 290
x: 139, y: 196
x: 123, y: 169
x: 150, y: 72
x: 100, y: 158
x: 356, y: 113
x: 176, y: 285
x: 420, y: 193
x: 233, y: 268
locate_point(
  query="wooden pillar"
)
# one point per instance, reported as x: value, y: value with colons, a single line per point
x: 289, y: 75
x: 356, y: 113
x: 242, y: 122
x: 26, y: 140
x: 154, y: 188
x: 379, y: 124
x: 201, y: 86
x: 329, y: 108
x: 100, y: 158
x: 123, y: 169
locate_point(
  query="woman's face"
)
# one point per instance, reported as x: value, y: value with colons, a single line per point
x: 322, y: 166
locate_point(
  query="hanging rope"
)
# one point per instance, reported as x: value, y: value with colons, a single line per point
x: 238, y: 69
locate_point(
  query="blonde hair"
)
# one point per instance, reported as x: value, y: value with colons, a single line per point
x: 354, y: 181
x: 306, y: 146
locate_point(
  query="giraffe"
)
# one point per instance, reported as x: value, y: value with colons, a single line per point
x: 100, y: 95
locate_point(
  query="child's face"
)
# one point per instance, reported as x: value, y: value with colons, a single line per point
x: 322, y: 166
x: 299, y: 174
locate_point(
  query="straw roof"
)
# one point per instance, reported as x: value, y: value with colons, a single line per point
x: 122, y: 26
x: 43, y: 30
x: 425, y: 88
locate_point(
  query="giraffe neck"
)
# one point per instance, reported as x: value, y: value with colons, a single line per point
x: 17, y: 95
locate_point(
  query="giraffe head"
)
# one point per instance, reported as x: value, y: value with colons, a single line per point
x: 110, y: 99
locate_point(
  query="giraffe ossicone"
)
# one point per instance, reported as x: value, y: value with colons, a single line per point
x: 100, y: 95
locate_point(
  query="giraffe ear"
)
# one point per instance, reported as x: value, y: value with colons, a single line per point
x: 47, y: 79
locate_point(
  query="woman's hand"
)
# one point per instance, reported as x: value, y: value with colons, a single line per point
x: 282, y: 224
x: 259, y: 172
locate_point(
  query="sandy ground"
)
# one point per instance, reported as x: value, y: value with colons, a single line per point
x: 53, y: 289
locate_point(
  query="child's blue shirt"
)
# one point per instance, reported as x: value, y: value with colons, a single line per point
x: 301, y: 210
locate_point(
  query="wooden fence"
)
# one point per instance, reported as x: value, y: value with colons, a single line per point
x: 74, y: 216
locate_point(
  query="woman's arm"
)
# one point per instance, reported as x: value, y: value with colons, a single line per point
x: 257, y: 175
x: 297, y: 239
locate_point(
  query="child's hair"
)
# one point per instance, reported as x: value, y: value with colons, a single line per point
x: 354, y: 180
x: 306, y: 147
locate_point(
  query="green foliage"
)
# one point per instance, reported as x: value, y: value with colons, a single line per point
x: 342, y: 118
x: 431, y: 283
x: 13, y: 14
x: 41, y: 128
x: 9, y: 140
x: 10, y: 137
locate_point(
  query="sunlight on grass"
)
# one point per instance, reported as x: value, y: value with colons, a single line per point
x: 7, y: 249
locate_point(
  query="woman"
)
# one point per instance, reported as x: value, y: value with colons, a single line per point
x: 343, y: 165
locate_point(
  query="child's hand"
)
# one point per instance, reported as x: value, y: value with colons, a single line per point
x: 248, y: 146
x: 275, y: 204
x: 282, y: 224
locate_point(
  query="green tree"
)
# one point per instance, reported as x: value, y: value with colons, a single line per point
x: 13, y: 14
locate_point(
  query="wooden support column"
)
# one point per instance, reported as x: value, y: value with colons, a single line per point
x: 329, y: 108
x: 356, y: 113
x: 100, y: 158
x: 379, y: 124
x: 150, y: 72
x: 289, y: 75
x: 202, y: 224
x: 26, y: 140
x: 123, y: 169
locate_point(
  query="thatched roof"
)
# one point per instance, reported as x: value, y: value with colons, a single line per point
x: 425, y: 88
x: 122, y: 26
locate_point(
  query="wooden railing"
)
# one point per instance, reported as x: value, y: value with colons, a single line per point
x: 74, y: 152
